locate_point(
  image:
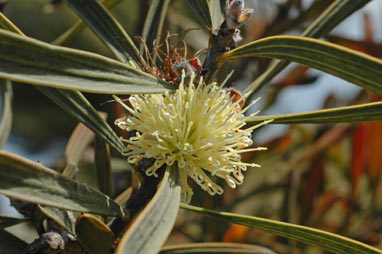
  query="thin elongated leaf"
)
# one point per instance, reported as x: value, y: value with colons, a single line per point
x: 10, y: 244
x: 79, y: 25
x: 222, y: 248
x: 6, y: 24
x: 369, y: 112
x: 6, y: 221
x: 103, y: 167
x: 350, y: 65
x: 61, y: 217
x: 216, y: 13
x: 76, y: 105
x: 107, y: 28
x: 335, y: 14
x: 329, y: 241
x: 6, y: 96
x: 152, y: 28
x: 80, y: 139
x: 151, y: 228
x: 94, y: 235
x: 31, y: 182
x: 35, y: 62
x: 202, y: 10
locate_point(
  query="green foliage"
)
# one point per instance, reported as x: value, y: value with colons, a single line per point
x: 62, y: 73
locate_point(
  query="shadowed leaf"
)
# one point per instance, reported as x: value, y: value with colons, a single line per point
x: 35, y: 62
x: 31, y: 182
x: 359, y: 113
x: 94, y: 235
x: 150, y: 229
x: 61, y: 217
x: 6, y: 221
x: 335, y: 14
x: 329, y: 241
x: 107, y: 29
x: 6, y: 97
x: 202, y: 10
x: 10, y: 244
x: 350, y: 65
x: 222, y: 248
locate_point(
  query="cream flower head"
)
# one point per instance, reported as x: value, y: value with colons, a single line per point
x: 198, y: 127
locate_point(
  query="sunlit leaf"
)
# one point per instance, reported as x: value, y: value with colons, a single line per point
x: 35, y: 62
x: 10, y: 244
x: 94, y: 235
x: 6, y: 97
x: 107, y: 29
x: 350, y: 65
x: 329, y: 241
x: 31, y: 182
x: 222, y: 248
x: 150, y: 229
x: 359, y: 113
x: 216, y: 13
x: 335, y: 14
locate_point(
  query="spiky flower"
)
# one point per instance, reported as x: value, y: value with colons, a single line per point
x: 199, y: 127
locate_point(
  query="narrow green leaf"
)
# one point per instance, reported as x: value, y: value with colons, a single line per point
x: 202, y: 10
x: 31, y: 182
x: 79, y: 25
x: 80, y: 139
x: 335, y: 14
x: 10, y: 244
x: 152, y: 28
x: 107, y: 28
x: 35, y: 62
x: 76, y: 105
x: 61, y: 217
x: 6, y: 97
x: 103, y: 167
x: 360, y: 113
x: 6, y: 24
x: 216, y: 13
x: 94, y: 235
x: 350, y: 65
x: 329, y: 241
x: 6, y: 221
x: 150, y: 229
x: 221, y: 248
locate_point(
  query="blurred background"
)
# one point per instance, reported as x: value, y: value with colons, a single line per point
x: 323, y: 176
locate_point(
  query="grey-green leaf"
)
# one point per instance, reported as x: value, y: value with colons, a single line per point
x: 79, y: 25
x: 152, y: 28
x: 31, y: 182
x: 107, y: 28
x: 335, y: 14
x: 61, y: 217
x: 329, y: 241
x: 76, y: 105
x: 202, y: 9
x: 6, y: 111
x: 350, y: 65
x: 6, y: 221
x: 360, y: 113
x: 150, y: 229
x: 10, y: 244
x: 35, y: 62
x: 221, y: 248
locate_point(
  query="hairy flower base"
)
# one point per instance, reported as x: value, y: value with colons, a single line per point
x: 197, y: 127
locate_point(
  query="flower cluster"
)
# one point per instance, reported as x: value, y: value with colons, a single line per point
x: 199, y: 127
